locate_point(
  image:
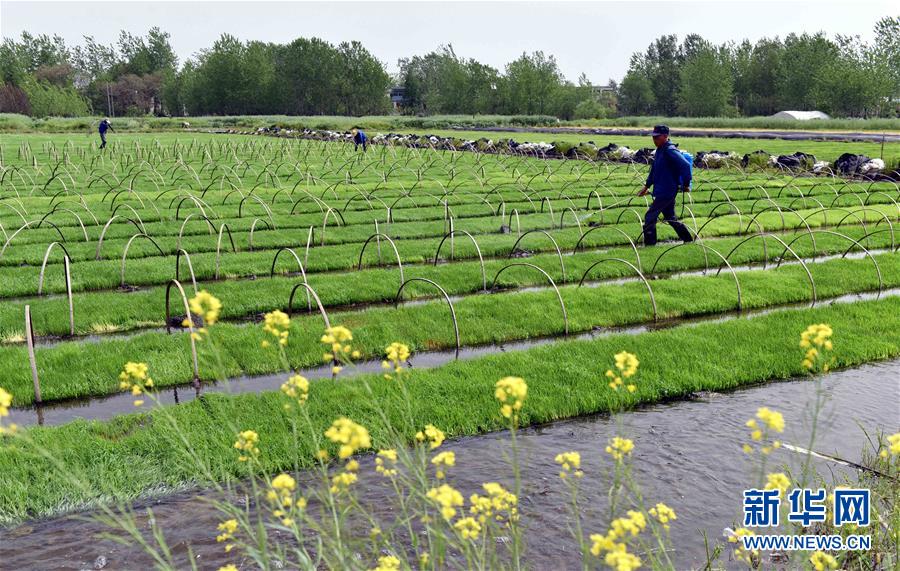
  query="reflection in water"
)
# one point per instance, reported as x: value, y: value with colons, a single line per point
x: 687, y: 455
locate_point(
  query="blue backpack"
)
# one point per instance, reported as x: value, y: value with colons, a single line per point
x: 690, y: 161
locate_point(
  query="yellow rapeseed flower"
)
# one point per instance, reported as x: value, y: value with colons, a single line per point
x: 135, y: 378
x: 663, y: 514
x: 246, y: 443
x: 386, y: 462
x: 511, y: 392
x: 816, y: 341
x: 206, y: 306
x: 622, y: 560
x: 778, y: 481
x: 387, y: 563
x: 772, y: 419
x: 893, y: 447
x: 350, y: 436
x: 5, y: 402
x: 396, y: 354
x: 740, y: 553
x: 499, y: 504
x: 442, y: 461
x: 447, y: 499
x: 296, y: 387
x: 342, y: 481
x: 570, y: 462
x: 227, y: 527
x: 229, y: 567
x: 618, y: 447
x: 627, y: 366
x: 822, y: 561
x: 431, y: 434
x: 601, y: 543
x: 277, y: 324
x: 468, y: 528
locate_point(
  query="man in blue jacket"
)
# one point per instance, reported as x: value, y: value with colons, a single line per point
x: 104, y: 126
x: 359, y: 138
x: 669, y: 173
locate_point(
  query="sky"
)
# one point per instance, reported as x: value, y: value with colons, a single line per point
x: 596, y: 38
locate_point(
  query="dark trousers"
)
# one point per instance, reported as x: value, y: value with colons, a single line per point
x: 103, y: 140
x: 356, y: 146
x: 666, y: 207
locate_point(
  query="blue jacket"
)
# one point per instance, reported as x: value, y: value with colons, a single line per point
x: 669, y: 172
x: 359, y: 138
x: 104, y: 125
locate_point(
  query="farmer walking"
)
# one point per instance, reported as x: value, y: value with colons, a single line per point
x: 104, y: 126
x: 359, y: 138
x: 669, y: 173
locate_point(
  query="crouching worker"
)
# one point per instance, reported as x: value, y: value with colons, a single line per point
x: 669, y: 172
x: 359, y: 138
x: 104, y: 126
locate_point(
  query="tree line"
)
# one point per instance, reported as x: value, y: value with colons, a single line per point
x: 141, y: 75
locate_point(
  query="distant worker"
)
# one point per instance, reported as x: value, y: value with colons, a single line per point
x: 669, y: 173
x: 359, y: 138
x: 104, y: 126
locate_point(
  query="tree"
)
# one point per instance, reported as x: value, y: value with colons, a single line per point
x: 756, y: 72
x: 635, y: 92
x: 854, y: 84
x: 663, y: 65
x: 363, y: 84
x: 885, y: 54
x: 310, y: 70
x: 532, y: 82
x: 805, y: 58
x: 706, y: 83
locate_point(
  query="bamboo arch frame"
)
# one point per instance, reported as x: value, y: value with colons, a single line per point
x: 706, y: 249
x: 477, y: 250
x: 636, y: 270
x: 125, y: 253
x: 546, y: 275
x: 393, y: 246
x: 398, y: 299
x: 190, y: 323
x: 562, y: 265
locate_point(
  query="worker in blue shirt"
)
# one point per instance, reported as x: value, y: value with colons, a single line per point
x: 359, y: 138
x: 104, y: 126
x: 669, y: 173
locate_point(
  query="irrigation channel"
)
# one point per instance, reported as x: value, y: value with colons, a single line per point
x: 106, y: 407
x: 687, y: 454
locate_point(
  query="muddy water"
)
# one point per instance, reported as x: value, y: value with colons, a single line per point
x: 105, y: 407
x: 687, y: 455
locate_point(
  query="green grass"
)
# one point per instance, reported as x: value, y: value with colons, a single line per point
x: 152, y: 270
x: 77, y: 369
x: 21, y: 123
x: 890, y: 125
x: 143, y: 455
x: 99, y: 311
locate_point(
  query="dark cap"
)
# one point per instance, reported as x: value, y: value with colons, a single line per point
x: 660, y: 130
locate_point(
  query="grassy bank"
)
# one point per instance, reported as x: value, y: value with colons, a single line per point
x: 69, y: 370
x: 22, y: 123
x: 849, y: 125
x: 140, y: 455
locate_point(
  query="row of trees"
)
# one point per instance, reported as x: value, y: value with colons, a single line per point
x: 141, y: 74
x: 441, y: 82
x: 844, y: 76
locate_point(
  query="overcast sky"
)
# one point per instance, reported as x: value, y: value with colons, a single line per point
x: 592, y: 37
